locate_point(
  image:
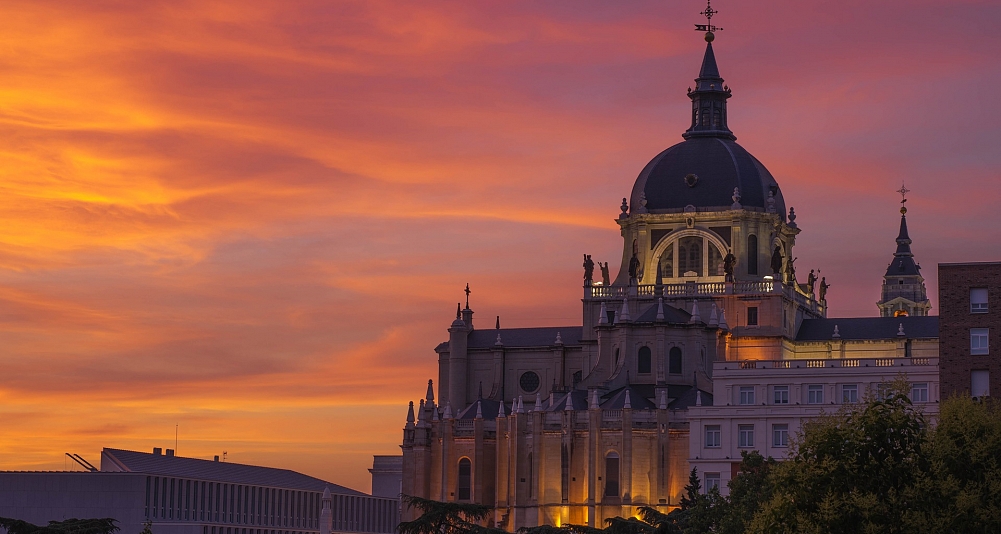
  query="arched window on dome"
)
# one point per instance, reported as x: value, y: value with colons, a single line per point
x: 674, y: 361
x: 690, y: 256
x: 715, y: 261
x: 695, y: 114
x: 716, y: 118
x: 667, y: 262
x: 752, y: 254
x: 644, y: 361
x: 705, y: 116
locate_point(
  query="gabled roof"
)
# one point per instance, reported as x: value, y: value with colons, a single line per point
x: 616, y: 399
x: 868, y: 328
x: 176, y: 466
x: 671, y: 315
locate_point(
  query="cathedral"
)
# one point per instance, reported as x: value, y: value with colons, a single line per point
x: 577, y: 424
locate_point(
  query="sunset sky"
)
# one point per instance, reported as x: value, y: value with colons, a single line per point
x: 253, y: 219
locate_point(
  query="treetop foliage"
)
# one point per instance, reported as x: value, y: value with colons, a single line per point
x: 69, y: 526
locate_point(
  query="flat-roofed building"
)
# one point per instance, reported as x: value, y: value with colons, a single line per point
x: 761, y: 405
x: 969, y: 297
x: 193, y: 496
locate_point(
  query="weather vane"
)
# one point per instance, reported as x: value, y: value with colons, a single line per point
x: 708, y: 27
x: 903, y: 197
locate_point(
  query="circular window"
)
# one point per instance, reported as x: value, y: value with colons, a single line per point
x: 529, y: 381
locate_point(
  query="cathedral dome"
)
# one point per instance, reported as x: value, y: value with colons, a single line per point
x: 703, y: 172
x: 704, y: 169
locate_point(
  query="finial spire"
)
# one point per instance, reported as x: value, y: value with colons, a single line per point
x: 710, y: 94
x: 903, y: 198
x: 467, y: 292
x: 708, y: 26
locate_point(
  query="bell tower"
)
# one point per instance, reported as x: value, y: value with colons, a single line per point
x: 904, y: 291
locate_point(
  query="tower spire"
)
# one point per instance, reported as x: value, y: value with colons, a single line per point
x: 904, y: 290
x: 710, y: 94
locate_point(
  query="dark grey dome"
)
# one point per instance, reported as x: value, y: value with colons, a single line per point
x: 719, y: 164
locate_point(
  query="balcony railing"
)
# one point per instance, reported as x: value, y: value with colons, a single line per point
x: 685, y: 289
x: 750, y: 365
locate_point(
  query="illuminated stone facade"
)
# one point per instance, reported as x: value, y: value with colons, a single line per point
x: 576, y: 424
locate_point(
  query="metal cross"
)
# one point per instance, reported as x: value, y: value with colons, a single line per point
x: 708, y: 14
x: 467, y: 292
x: 903, y: 193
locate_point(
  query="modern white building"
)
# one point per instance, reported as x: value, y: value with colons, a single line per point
x: 761, y: 405
x: 192, y: 496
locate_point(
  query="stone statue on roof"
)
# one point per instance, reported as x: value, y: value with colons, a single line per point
x: 811, y: 281
x: 605, y: 279
x: 588, y: 269
x: 823, y: 289
x: 777, y: 260
x: 634, y: 268
x: 729, y: 263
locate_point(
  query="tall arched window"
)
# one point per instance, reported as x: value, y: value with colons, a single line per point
x: 674, y: 361
x: 531, y: 468
x: 690, y: 256
x: 612, y: 474
x: 465, y: 479
x: 643, y: 361
x: 752, y: 254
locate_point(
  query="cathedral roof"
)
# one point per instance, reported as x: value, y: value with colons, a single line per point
x: 616, y: 399
x: 704, y: 170
x: 868, y: 328
x: 525, y: 337
x: 671, y: 315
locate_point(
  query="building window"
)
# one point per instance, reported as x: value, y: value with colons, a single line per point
x: 849, y: 393
x: 978, y: 340
x: 643, y: 364
x: 690, y: 256
x: 978, y: 300
x: 919, y: 392
x: 529, y: 381
x: 752, y: 316
x: 746, y: 395
x: 752, y: 254
x: 781, y: 395
x: 465, y: 479
x: 674, y: 361
x: 612, y: 475
x: 745, y: 436
x: 667, y: 262
x: 531, y: 473
x: 815, y: 394
x: 712, y: 436
x: 780, y: 435
x: 712, y: 481
x: 980, y: 383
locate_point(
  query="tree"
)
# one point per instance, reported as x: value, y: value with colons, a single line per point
x: 445, y: 518
x: 69, y: 526
x: 749, y: 490
x: 964, y: 452
x: 859, y: 470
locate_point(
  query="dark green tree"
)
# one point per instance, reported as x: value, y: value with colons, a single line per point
x: 69, y: 526
x: 859, y: 470
x: 964, y: 481
x: 749, y: 490
x: 445, y: 518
